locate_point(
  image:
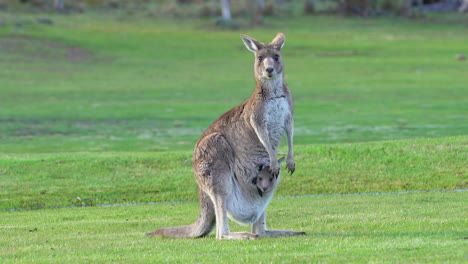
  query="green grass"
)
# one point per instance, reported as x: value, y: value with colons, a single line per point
x: 63, y: 179
x: 416, y: 228
x: 91, y: 83
x: 98, y: 109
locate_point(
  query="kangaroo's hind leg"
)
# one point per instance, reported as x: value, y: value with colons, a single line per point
x: 212, y: 163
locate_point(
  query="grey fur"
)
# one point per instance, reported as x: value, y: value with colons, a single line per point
x: 228, y: 154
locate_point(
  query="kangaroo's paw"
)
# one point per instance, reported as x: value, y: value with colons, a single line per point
x: 291, y: 165
x: 275, y: 169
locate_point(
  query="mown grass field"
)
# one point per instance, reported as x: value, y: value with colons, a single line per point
x: 89, y: 83
x: 416, y: 228
x: 97, y: 110
x: 64, y: 179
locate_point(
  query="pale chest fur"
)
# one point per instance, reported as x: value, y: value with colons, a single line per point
x: 277, y: 111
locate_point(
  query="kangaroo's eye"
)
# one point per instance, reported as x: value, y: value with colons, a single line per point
x: 260, y: 58
x: 276, y: 57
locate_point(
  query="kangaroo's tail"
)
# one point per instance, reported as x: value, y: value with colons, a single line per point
x: 202, y: 227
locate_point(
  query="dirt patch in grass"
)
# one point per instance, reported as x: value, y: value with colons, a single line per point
x: 25, y: 47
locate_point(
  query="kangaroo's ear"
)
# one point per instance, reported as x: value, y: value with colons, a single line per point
x: 260, y: 168
x: 251, y: 44
x: 281, y: 160
x: 278, y: 41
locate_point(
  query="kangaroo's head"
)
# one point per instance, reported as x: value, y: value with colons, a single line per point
x: 268, y: 61
x: 265, y: 181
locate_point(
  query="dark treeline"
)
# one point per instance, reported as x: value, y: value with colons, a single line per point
x: 249, y: 10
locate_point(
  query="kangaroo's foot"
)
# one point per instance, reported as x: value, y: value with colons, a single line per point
x: 154, y: 233
x: 239, y: 236
x: 279, y: 233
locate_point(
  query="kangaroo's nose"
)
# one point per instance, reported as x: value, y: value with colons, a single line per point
x: 269, y: 69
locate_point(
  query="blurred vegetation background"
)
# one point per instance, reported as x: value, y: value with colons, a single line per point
x: 236, y: 13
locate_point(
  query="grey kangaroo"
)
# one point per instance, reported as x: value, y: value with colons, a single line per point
x: 265, y: 181
x: 230, y: 153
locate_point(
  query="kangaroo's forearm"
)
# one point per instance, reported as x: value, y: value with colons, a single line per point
x: 290, y: 136
x: 262, y: 134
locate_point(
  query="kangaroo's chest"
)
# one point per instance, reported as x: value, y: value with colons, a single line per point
x: 277, y: 111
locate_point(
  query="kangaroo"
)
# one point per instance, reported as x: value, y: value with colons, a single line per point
x: 230, y: 153
x: 265, y: 181
x: 463, y: 7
